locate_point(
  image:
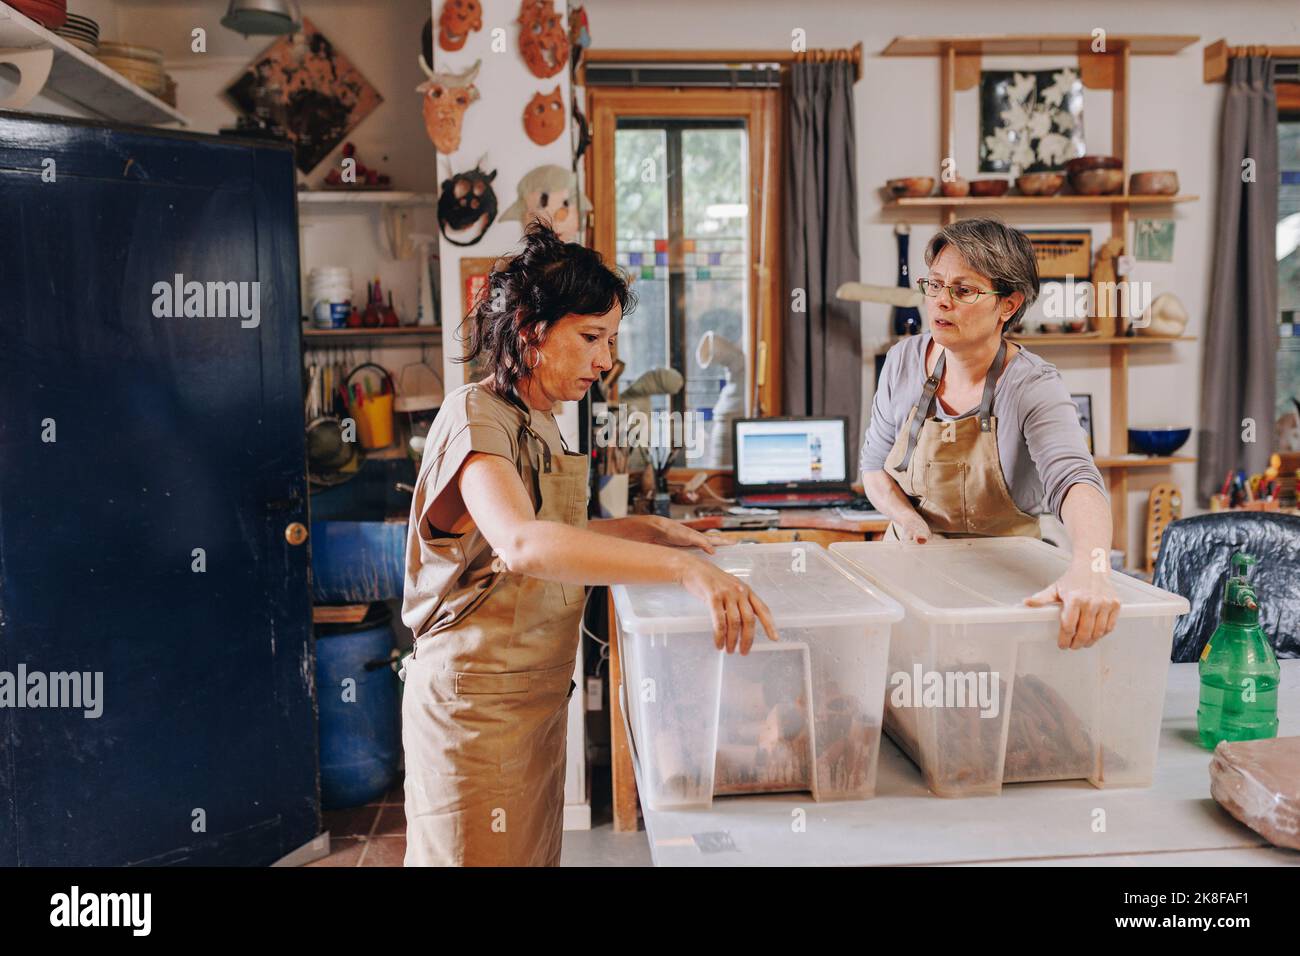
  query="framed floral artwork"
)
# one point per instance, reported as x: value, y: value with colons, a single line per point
x: 1031, y: 121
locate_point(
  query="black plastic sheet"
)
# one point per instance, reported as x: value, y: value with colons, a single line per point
x: 1195, y: 561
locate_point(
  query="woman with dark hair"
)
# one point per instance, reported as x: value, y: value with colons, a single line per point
x: 498, y: 553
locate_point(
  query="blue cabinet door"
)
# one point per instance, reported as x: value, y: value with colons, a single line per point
x: 150, y: 464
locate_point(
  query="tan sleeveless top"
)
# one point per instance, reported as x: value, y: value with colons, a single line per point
x: 448, y: 575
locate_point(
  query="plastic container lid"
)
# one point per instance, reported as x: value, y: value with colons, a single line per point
x: 824, y: 593
x: 987, y: 579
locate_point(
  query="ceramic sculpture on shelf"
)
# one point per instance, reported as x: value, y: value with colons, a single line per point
x: 1165, y: 317
x: 637, y: 398
x: 715, y: 350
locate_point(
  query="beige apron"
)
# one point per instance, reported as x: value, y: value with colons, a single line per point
x: 485, y: 708
x: 951, y: 470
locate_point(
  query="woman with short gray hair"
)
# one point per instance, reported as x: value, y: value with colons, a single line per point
x: 971, y: 435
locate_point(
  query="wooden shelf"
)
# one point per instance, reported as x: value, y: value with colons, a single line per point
x: 1143, y: 461
x: 1047, y: 44
x: 960, y: 61
x: 78, y: 77
x: 401, y: 332
x: 374, y: 197
x: 1042, y: 202
x: 1082, y: 339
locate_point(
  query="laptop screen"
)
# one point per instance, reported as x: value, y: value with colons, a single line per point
x: 785, y: 451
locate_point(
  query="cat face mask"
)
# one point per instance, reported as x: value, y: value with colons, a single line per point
x: 544, y: 117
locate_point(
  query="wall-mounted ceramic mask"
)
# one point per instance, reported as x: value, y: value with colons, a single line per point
x: 544, y: 117
x: 550, y: 193
x: 446, y: 98
x: 459, y: 18
x: 467, y: 206
x: 543, y: 42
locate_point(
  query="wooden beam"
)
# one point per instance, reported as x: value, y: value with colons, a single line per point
x: 1097, y: 70
x: 726, y: 57
x: 992, y: 44
x: 1217, y: 54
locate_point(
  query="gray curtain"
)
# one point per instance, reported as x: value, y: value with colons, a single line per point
x: 822, y: 346
x: 1239, y: 374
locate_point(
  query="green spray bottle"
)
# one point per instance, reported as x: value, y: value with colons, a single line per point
x: 1239, y: 671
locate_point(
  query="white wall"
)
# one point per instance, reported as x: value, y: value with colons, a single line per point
x: 1173, y: 123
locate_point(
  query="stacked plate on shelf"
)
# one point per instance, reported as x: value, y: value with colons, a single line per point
x: 142, y: 65
x: 81, y: 32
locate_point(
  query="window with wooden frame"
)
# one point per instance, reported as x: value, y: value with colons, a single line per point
x: 684, y: 187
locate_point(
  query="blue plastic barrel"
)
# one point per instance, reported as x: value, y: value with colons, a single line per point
x: 357, y: 691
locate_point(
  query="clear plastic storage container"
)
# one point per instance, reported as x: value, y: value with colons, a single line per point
x: 980, y: 695
x: 802, y: 713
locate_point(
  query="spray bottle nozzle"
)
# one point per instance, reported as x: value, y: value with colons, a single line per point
x: 1242, y: 563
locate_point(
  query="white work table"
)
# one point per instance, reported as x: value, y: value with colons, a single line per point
x: 1175, y: 822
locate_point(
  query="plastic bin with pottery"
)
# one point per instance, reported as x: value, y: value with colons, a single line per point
x: 798, y: 714
x: 980, y: 695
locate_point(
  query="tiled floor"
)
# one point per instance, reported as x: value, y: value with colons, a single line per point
x: 375, y: 835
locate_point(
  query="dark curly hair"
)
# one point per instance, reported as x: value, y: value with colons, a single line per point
x: 530, y: 291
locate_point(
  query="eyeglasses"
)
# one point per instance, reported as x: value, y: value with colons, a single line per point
x: 962, y: 293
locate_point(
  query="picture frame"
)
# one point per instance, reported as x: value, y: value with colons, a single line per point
x: 474, y: 272
x: 1083, y: 407
x: 1031, y: 121
x: 1062, y: 253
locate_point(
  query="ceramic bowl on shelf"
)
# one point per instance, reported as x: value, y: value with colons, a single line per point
x: 1040, y: 184
x: 1157, y: 440
x: 1095, y: 175
x: 989, y: 187
x: 1162, y: 182
x: 1097, y: 182
x: 910, y: 187
x: 1083, y: 163
x: 957, y: 189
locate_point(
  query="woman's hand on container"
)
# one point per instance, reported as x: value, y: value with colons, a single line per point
x: 913, y: 529
x: 1089, y: 606
x: 735, y: 608
x: 674, y: 534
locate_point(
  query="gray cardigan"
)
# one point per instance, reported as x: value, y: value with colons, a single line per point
x: 1040, y: 444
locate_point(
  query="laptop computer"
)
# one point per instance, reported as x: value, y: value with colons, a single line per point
x: 792, y: 462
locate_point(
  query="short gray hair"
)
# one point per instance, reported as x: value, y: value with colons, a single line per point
x: 994, y: 249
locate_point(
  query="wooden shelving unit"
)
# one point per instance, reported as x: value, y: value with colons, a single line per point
x: 433, y: 332
x: 1032, y: 202
x: 960, y: 61
x: 375, y: 197
x: 79, y: 78
x: 1083, y: 339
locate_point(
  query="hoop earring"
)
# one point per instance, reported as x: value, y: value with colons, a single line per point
x: 532, y: 365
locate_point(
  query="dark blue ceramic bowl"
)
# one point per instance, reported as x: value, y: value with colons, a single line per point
x: 1160, y: 441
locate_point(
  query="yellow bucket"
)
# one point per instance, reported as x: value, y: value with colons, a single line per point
x: 373, y: 414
